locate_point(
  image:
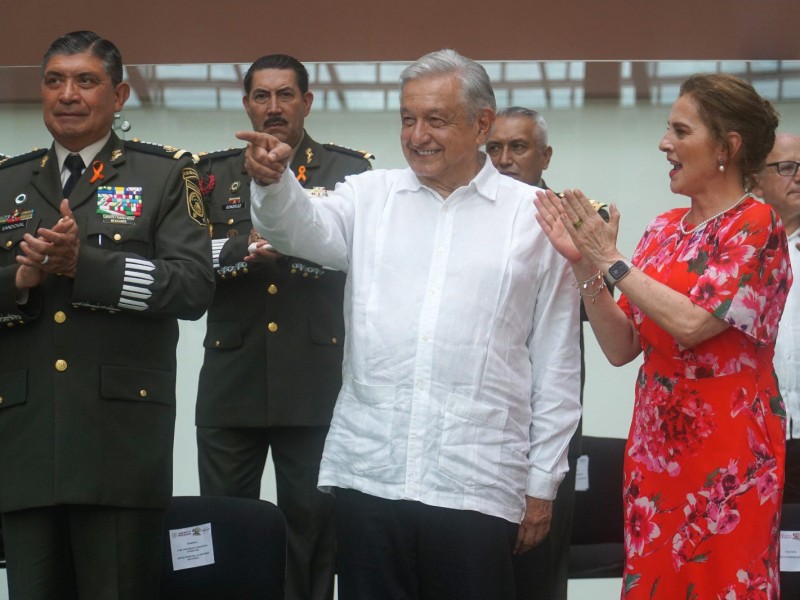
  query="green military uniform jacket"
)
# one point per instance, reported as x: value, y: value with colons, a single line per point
x: 273, y: 348
x: 87, y: 365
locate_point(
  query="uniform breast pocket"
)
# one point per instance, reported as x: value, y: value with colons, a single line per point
x: 121, y: 236
x: 230, y: 219
x: 11, y: 233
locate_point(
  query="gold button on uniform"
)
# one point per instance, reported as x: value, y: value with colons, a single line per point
x: 1, y: 399
x: 59, y: 317
x: 61, y: 365
x: 143, y: 393
x: 117, y: 237
x: 273, y: 327
x: 272, y: 289
x: 230, y: 221
x: 334, y: 341
x: 217, y: 344
x: 9, y: 243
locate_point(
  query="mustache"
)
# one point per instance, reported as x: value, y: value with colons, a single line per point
x: 275, y: 121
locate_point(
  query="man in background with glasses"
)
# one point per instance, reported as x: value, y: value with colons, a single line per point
x: 779, y: 185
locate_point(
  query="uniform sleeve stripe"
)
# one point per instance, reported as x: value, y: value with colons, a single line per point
x: 136, y: 283
x: 139, y: 278
x: 131, y: 305
x: 216, y: 250
x: 138, y: 263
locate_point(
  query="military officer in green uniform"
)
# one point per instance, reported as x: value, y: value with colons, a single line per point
x: 273, y: 348
x: 103, y: 247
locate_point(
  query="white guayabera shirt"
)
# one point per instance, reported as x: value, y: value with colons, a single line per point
x: 461, y: 375
x: 787, y: 346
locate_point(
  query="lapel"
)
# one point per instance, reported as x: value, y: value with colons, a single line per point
x: 307, y: 160
x: 46, y: 179
x: 100, y: 172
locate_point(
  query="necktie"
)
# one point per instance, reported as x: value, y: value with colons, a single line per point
x: 75, y: 166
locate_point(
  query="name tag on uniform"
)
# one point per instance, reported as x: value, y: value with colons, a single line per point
x: 233, y: 204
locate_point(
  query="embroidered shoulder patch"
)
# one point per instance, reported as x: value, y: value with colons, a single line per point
x: 194, y: 198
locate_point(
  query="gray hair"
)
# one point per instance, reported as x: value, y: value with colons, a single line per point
x: 533, y: 115
x: 476, y: 87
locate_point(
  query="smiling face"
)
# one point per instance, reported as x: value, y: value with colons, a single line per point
x: 439, y: 141
x: 515, y: 147
x: 276, y: 105
x: 782, y: 192
x: 79, y: 100
x: 691, y: 151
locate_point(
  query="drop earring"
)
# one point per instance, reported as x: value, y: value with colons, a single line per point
x: 721, y: 166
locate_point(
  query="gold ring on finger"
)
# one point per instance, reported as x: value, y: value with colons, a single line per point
x: 577, y: 223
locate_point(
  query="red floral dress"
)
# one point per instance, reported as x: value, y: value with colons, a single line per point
x: 704, y: 462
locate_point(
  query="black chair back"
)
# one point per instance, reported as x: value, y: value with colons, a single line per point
x: 249, y: 542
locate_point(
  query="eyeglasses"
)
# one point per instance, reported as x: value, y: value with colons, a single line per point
x: 785, y: 168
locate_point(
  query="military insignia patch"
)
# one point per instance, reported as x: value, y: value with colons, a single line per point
x: 119, y: 205
x: 233, y: 204
x: 194, y: 198
x: 18, y: 219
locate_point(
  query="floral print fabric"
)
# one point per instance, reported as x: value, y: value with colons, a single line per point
x: 704, y: 461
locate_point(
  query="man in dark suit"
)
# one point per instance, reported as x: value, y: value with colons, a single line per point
x: 104, y: 248
x: 273, y: 358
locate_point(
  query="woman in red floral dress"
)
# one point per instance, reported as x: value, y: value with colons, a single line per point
x: 701, y: 300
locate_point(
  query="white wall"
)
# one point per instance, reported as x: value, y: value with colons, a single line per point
x: 609, y: 152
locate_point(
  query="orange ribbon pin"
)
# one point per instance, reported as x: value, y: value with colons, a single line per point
x: 301, y: 173
x: 97, y: 171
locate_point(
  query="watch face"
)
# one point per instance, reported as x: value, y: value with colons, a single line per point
x: 618, y: 269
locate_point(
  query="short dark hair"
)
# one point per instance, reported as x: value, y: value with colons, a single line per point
x: 277, y: 61
x: 727, y: 104
x: 79, y: 42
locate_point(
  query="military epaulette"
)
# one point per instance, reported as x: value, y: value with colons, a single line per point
x: 350, y: 151
x: 217, y: 154
x: 7, y: 161
x: 150, y: 148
